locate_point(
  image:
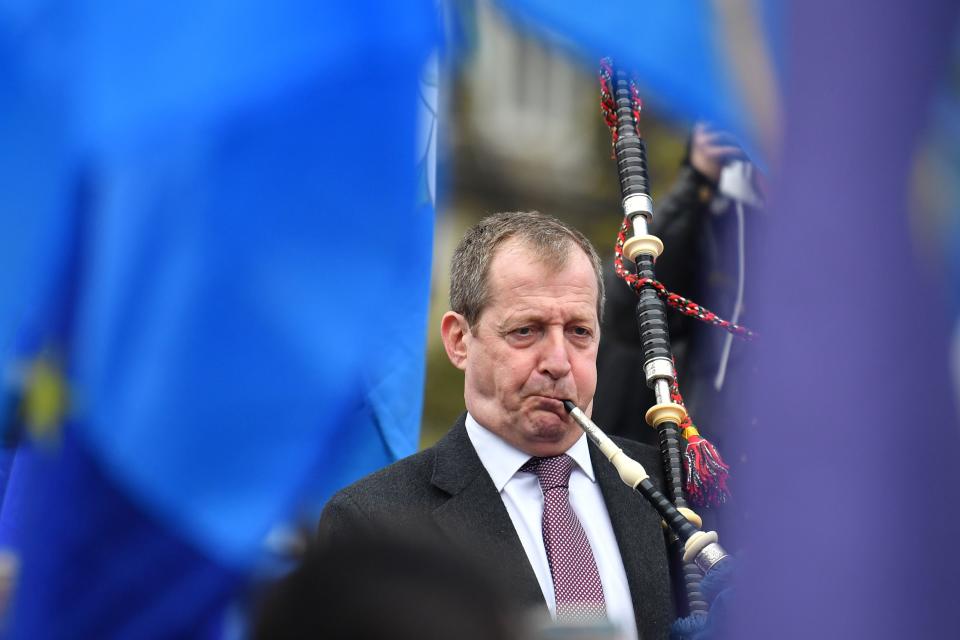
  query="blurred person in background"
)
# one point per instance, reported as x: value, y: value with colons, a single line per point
x: 703, y: 238
x: 708, y: 222
x: 515, y: 481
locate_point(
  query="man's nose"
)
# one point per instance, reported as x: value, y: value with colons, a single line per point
x: 554, y: 358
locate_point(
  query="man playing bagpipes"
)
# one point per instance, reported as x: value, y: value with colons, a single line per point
x: 515, y: 481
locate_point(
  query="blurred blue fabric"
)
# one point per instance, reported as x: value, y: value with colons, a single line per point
x: 210, y: 210
x: 96, y: 564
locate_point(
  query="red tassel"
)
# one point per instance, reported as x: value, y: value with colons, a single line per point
x: 706, y: 472
x: 704, y: 469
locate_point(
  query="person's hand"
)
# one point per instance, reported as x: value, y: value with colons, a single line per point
x: 710, y: 149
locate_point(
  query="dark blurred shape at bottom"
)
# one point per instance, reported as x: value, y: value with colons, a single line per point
x: 391, y: 586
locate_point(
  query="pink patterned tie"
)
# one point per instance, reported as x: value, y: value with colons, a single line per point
x: 576, y: 581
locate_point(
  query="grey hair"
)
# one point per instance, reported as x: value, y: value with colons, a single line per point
x: 548, y: 238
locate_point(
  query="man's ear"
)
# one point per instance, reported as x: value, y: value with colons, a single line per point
x: 454, y: 331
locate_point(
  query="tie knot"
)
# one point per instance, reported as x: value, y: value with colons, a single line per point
x: 552, y: 472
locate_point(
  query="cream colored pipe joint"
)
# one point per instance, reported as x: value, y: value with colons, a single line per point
x: 665, y: 412
x: 643, y: 244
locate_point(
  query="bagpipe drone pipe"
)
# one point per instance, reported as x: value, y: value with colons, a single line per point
x: 694, y: 472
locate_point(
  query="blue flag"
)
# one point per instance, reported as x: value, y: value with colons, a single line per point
x: 212, y: 210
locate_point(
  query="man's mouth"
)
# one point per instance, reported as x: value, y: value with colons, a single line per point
x: 550, y: 403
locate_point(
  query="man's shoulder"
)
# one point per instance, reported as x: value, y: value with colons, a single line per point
x: 413, y: 473
x: 403, y: 476
x: 400, y: 493
x: 403, y: 493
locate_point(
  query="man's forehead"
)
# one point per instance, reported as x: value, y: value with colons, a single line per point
x: 520, y: 272
x: 514, y: 253
x: 584, y: 312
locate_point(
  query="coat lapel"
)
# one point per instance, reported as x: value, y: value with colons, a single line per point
x: 475, y: 511
x: 636, y: 526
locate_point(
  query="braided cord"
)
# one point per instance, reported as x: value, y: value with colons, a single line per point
x: 608, y: 108
x: 683, y: 305
x: 608, y: 104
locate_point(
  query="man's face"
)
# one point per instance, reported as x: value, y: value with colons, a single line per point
x: 534, y: 345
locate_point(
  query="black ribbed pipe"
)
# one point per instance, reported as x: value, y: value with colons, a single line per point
x: 631, y: 154
x: 630, y: 151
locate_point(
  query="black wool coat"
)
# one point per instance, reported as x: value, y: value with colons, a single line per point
x: 447, y: 487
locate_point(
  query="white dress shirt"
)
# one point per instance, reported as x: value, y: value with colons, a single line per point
x: 523, y: 499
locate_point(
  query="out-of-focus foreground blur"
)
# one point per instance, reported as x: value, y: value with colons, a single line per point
x: 225, y: 234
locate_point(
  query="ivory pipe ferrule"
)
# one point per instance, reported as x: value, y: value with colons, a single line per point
x: 631, y: 471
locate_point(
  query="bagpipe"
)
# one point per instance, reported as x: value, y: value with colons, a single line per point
x: 694, y: 471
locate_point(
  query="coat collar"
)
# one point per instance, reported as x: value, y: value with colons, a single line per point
x: 475, y: 510
x: 456, y: 464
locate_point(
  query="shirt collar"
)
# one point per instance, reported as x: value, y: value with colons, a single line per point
x: 502, y: 460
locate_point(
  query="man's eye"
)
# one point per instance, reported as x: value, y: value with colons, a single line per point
x: 581, y: 331
x: 523, y: 334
